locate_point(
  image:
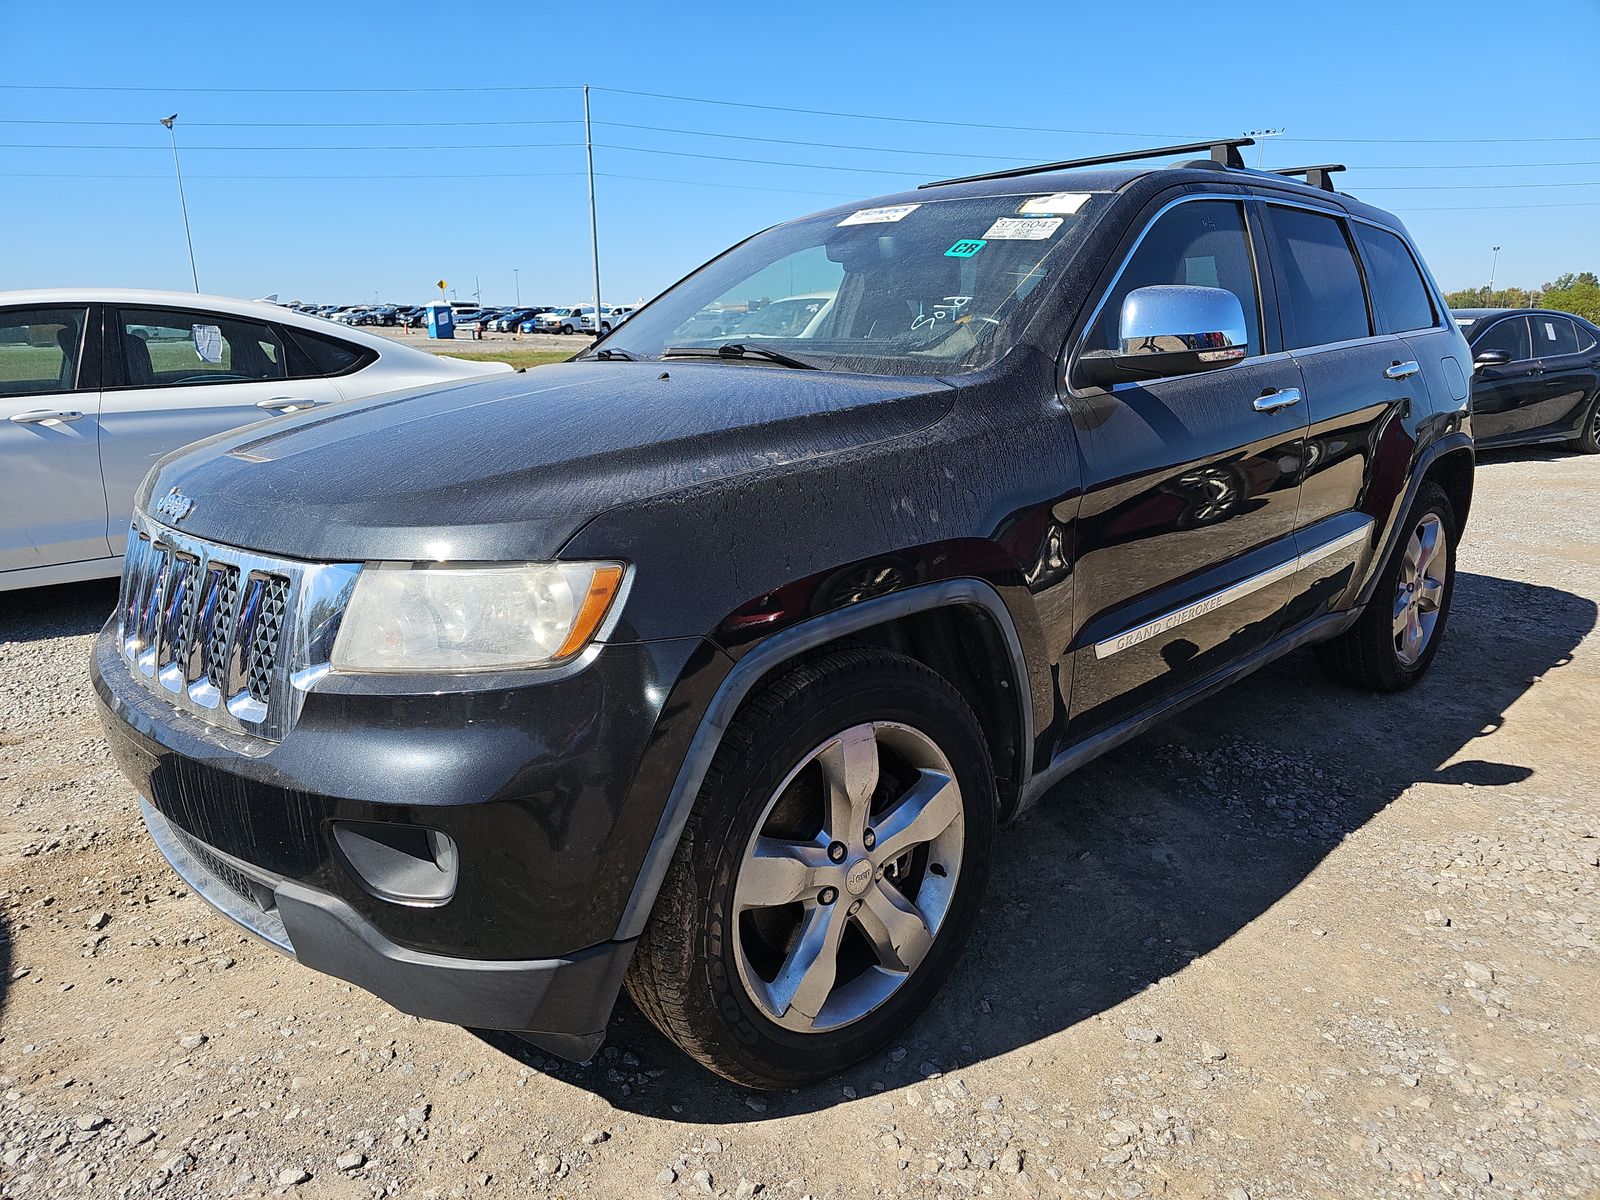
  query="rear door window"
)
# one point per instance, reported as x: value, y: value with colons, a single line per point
x: 1399, y: 295
x: 1319, y: 285
x: 40, y: 350
x: 179, y: 348
x: 1553, y: 336
x: 1510, y: 335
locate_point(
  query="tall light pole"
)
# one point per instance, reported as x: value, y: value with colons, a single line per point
x: 594, y: 228
x: 1261, y: 145
x: 169, y: 122
x: 1493, y: 263
x: 516, y: 275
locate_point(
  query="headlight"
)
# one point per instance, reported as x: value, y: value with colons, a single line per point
x: 425, y: 617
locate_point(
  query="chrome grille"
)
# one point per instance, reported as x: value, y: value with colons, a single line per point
x: 234, y: 637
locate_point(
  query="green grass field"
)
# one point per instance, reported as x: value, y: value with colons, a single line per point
x: 515, y: 355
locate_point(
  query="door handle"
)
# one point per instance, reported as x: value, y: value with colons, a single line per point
x: 1274, y: 400
x: 286, y: 404
x: 1401, y: 370
x: 43, y: 417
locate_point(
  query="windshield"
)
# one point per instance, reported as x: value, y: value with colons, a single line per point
x: 905, y: 289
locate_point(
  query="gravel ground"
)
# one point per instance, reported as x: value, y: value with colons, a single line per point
x: 1298, y: 943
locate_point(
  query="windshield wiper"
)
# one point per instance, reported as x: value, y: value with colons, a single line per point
x: 738, y: 350
x: 608, y: 355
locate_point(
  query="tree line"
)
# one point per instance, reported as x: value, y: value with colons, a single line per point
x: 1575, y: 292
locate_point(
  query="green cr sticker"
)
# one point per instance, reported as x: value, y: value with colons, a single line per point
x: 966, y: 248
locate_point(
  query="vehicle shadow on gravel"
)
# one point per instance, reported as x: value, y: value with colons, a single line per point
x: 65, y: 610
x: 1156, y: 854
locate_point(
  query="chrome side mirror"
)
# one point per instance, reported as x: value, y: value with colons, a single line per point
x: 1171, y: 329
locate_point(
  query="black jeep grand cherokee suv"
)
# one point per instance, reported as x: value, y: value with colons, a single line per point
x: 707, y: 663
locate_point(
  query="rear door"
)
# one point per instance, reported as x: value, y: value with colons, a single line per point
x: 53, y: 510
x: 1186, y: 532
x: 1567, y: 378
x: 175, y: 376
x: 1362, y: 384
x: 1504, y: 394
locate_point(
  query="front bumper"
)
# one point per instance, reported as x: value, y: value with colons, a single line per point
x: 550, y: 793
x: 561, y: 1004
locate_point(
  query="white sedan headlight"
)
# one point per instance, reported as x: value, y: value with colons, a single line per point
x: 434, y: 617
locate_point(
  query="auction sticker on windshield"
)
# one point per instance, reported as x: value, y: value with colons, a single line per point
x: 1055, y: 204
x: 1023, y: 229
x: 880, y: 216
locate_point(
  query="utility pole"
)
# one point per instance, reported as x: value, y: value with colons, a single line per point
x: 169, y: 122
x: 516, y: 274
x: 1493, y: 263
x: 594, y: 228
x: 1261, y: 145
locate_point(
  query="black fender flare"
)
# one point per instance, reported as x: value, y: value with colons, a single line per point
x: 1452, y: 443
x: 768, y: 657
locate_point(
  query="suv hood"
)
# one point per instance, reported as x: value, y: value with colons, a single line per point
x: 511, y: 468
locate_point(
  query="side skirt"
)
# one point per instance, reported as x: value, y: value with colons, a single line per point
x: 1074, y: 756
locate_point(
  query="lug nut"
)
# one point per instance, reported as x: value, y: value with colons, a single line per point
x: 855, y: 908
x: 837, y: 851
x: 870, y: 839
x: 829, y: 895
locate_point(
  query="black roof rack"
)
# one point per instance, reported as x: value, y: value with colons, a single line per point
x: 1320, y: 176
x: 1223, y: 151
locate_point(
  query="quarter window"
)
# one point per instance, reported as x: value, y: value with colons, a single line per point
x: 172, y: 348
x: 1319, y: 285
x: 1553, y: 336
x: 1510, y: 335
x: 1201, y: 243
x: 40, y: 349
x: 324, y: 355
x: 1398, y: 293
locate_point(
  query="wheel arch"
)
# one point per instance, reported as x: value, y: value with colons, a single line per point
x: 1452, y: 470
x: 916, y: 621
x: 1449, y: 462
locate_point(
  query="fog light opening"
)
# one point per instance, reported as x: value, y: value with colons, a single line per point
x: 403, y: 864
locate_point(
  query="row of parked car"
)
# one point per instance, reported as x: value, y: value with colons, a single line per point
x: 534, y: 318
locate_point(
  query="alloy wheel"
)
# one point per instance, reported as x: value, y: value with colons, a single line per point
x: 848, y: 877
x: 1419, y: 592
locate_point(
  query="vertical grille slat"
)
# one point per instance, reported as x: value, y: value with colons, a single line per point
x: 261, y: 656
x: 215, y: 630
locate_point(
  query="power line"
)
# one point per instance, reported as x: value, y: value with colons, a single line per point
x: 270, y: 178
x: 1502, y: 207
x: 299, y: 124
x: 299, y: 149
x: 1475, y: 187
x: 825, y: 112
x: 743, y: 137
x: 278, y: 91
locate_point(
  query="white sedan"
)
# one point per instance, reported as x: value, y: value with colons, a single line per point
x: 95, y: 386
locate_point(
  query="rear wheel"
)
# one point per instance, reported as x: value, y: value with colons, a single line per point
x: 828, y: 876
x: 1392, y: 643
x: 1588, y: 442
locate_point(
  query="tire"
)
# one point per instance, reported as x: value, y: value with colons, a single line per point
x: 566, y: 329
x: 1377, y: 653
x: 1588, y: 442
x: 710, y: 968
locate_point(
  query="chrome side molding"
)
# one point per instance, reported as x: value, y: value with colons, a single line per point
x: 1237, y: 591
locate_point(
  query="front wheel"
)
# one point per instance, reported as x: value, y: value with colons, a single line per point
x: 1588, y: 442
x: 1394, y: 640
x: 566, y: 329
x: 828, y: 876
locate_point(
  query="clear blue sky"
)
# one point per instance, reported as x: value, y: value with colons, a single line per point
x: 1416, y: 98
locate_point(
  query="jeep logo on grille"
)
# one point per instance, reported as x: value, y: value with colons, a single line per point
x: 175, y: 506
